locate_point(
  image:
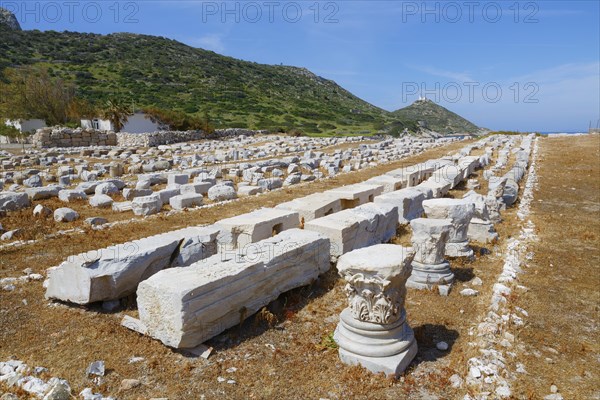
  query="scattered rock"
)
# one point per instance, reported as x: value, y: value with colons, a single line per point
x: 41, y: 211
x: 475, y: 372
x: 101, y: 201
x: 96, y: 221
x: 469, y: 292
x: 442, y: 346
x: 553, y: 396
x: 10, y: 235
x: 65, y: 214
x: 456, y: 381
x: 128, y: 384
x: 60, y: 391
x: 8, y: 288
x: 96, y: 368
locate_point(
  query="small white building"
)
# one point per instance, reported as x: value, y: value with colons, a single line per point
x: 26, y: 125
x: 137, y: 123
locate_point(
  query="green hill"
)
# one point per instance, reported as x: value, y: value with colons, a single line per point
x: 159, y: 72
x: 436, y: 118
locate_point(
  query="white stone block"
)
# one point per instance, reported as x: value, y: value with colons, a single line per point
x: 65, y: 214
x: 452, y: 174
x: 409, y: 202
x: 199, y: 188
x: 12, y: 201
x: 177, y: 179
x: 121, y: 206
x: 390, y: 183
x: 350, y: 230
x: 165, y: 194
x: 460, y: 212
x: 187, y: 200
x: 221, y: 192
x: 115, y: 271
x: 410, y: 176
x: 68, y: 196
x: 42, y: 193
x: 146, y: 205
x: 439, y: 188
x: 249, y: 190
x: 106, y: 188
x: 241, y: 230
x: 101, y: 201
x: 355, y: 195
x: 313, y: 206
x: 184, y: 307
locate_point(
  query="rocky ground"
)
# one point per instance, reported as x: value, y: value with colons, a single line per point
x: 287, y: 351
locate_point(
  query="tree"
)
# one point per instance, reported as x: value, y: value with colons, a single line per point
x: 179, y: 120
x: 79, y: 109
x: 12, y: 133
x: 207, y: 125
x: 117, y: 112
x: 30, y: 92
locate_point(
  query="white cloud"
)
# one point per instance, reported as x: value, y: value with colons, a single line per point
x: 211, y: 41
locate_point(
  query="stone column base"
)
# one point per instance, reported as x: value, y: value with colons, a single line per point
x: 459, y: 249
x: 426, y: 276
x: 376, y: 347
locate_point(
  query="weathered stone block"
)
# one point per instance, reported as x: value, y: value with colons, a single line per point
x: 355, y: 195
x: 115, y: 271
x: 183, y: 307
x: 146, y: 205
x: 249, y: 190
x: 409, y: 202
x: 313, y: 206
x: 41, y: 193
x: 221, y: 192
x: 65, y: 214
x: 12, y: 201
x: 101, y: 201
x: 242, y: 230
x: 350, y: 229
x: 390, y: 183
x: 187, y: 200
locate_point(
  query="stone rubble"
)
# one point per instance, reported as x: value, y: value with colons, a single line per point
x: 489, y: 374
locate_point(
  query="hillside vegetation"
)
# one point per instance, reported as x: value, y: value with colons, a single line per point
x: 435, y: 117
x: 150, y: 71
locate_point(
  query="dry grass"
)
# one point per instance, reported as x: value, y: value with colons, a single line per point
x: 285, y: 351
x: 561, y: 343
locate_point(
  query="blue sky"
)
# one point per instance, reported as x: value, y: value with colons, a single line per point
x: 526, y: 65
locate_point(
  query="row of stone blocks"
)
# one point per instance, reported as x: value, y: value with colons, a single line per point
x: 113, y: 272
x: 184, y: 306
